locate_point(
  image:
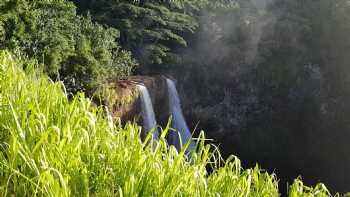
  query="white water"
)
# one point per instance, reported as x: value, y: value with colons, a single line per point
x: 183, y: 134
x: 147, y: 113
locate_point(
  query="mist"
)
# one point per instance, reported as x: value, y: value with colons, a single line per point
x: 269, y: 84
x: 265, y: 80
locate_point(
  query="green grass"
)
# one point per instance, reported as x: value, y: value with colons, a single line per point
x: 50, y: 146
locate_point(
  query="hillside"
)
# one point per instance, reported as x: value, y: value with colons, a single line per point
x: 51, y: 146
x: 84, y: 83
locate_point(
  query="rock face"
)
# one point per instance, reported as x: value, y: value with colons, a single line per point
x: 149, y: 101
x: 124, y: 101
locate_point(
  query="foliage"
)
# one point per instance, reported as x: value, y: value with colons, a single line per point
x: 152, y: 30
x: 146, y: 27
x: 298, y: 189
x: 53, y: 147
x: 275, y: 77
x: 74, y: 49
x: 271, y: 83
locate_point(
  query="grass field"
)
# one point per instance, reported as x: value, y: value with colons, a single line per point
x: 50, y: 146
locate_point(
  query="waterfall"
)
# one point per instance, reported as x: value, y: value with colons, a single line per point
x: 147, y: 113
x: 182, y: 134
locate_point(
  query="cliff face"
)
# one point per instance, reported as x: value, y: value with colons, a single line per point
x: 124, y: 103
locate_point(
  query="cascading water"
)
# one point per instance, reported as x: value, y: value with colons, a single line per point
x: 147, y: 113
x: 183, y: 134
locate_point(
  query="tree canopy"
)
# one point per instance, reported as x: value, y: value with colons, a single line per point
x: 254, y: 72
x: 73, y: 48
x: 152, y: 30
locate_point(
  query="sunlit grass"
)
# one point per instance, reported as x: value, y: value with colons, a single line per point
x: 50, y: 146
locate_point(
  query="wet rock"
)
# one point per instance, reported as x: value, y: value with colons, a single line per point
x: 124, y: 103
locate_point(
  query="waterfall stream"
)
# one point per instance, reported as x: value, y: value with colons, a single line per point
x: 182, y: 134
x: 147, y: 113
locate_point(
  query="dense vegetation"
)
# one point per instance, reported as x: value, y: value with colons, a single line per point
x: 267, y: 79
x: 152, y: 30
x: 51, y: 146
x: 82, y: 53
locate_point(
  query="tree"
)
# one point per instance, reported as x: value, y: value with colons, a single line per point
x: 150, y: 29
x: 82, y: 53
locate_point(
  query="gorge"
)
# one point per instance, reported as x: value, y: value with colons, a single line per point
x: 264, y: 80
